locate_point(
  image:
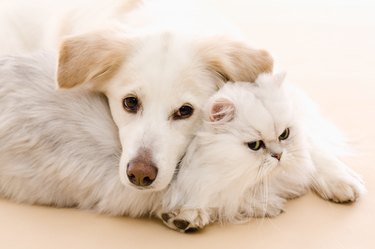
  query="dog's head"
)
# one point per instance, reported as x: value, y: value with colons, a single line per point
x: 156, y: 86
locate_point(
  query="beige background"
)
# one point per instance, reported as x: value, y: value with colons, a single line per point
x: 328, y: 48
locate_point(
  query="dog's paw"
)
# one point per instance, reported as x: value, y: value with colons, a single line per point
x: 186, y: 220
x: 340, y: 188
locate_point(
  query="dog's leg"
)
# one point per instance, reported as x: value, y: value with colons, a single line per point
x: 334, y: 180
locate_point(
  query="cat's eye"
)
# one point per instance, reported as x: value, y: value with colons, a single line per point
x: 185, y: 111
x: 256, y: 145
x: 285, y: 134
x: 131, y: 104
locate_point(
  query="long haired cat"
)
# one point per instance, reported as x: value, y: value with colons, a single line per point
x: 257, y: 148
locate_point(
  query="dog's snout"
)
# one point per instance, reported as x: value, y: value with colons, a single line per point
x: 142, y: 171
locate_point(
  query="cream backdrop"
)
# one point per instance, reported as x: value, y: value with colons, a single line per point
x: 328, y: 48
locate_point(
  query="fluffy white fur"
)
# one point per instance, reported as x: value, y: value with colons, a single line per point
x: 222, y: 179
x: 62, y: 148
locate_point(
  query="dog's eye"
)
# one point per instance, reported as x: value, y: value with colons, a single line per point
x: 183, y: 112
x: 131, y: 104
x: 285, y: 134
x: 256, y: 145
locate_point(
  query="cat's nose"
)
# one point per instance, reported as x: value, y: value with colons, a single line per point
x: 277, y: 155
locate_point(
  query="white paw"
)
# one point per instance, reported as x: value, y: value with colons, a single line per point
x: 341, y: 188
x: 294, y: 192
x: 269, y: 209
x: 186, y: 220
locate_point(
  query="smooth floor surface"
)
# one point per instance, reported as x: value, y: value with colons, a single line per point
x: 326, y: 47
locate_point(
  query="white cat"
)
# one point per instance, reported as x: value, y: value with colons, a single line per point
x: 260, y: 145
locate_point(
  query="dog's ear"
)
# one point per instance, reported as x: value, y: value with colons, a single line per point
x: 221, y: 110
x: 93, y: 58
x: 234, y: 60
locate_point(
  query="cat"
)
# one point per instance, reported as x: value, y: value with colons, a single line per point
x: 259, y: 146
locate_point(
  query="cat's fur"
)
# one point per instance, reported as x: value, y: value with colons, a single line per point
x: 222, y: 179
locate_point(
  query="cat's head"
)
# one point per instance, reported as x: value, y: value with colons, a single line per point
x: 254, y: 130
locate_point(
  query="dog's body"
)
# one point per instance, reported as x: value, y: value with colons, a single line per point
x: 59, y: 148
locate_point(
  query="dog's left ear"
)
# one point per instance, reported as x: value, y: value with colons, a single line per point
x: 234, y: 60
x: 90, y: 58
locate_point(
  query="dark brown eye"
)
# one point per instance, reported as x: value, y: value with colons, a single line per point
x: 285, y: 134
x: 256, y: 145
x: 185, y: 111
x: 131, y: 104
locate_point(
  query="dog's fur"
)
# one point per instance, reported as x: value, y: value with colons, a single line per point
x: 59, y: 148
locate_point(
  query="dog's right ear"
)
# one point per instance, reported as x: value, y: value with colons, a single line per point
x: 234, y: 60
x: 90, y: 58
x: 222, y: 110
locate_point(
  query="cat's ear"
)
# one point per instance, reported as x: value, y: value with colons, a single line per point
x: 222, y: 110
x: 279, y: 78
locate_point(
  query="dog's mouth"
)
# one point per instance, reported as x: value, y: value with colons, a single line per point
x: 144, y: 189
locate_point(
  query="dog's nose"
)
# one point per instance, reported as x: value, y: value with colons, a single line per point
x: 141, y: 170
